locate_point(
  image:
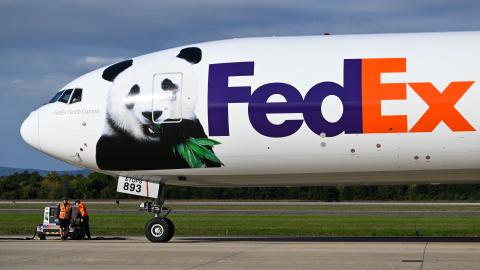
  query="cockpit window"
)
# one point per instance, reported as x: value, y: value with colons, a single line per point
x: 66, y: 96
x: 77, y: 96
x: 57, y: 95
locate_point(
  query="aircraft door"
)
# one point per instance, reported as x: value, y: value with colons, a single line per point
x: 167, y: 97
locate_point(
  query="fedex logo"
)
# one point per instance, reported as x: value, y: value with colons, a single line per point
x: 361, y: 94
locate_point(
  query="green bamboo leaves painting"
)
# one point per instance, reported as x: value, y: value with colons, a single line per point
x: 196, y: 153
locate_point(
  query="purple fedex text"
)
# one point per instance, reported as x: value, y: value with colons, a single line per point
x: 220, y: 94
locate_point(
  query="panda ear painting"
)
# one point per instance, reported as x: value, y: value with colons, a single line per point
x: 111, y: 72
x: 193, y: 55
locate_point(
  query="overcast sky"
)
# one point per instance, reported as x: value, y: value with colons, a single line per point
x: 45, y: 44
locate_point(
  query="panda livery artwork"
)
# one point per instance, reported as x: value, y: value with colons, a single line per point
x: 152, y: 137
x: 276, y: 111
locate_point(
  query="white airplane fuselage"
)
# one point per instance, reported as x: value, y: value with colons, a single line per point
x: 285, y: 111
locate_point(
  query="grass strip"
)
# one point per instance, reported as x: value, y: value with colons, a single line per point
x: 263, y: 225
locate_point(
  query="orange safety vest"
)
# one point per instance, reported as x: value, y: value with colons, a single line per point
x: 82, y: 210
x: 65, y: 211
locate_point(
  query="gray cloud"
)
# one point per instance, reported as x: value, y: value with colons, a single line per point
x: 93, y: 62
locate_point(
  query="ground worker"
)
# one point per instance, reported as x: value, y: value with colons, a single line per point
x: 84, y: 219
x: 64, y: 215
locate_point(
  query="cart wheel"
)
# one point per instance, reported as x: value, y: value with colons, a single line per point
x: 41, y: 236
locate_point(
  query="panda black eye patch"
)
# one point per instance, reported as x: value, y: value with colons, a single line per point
x: 167, y: 84
x: 135, y: 90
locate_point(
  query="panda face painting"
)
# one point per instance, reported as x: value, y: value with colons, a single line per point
x: 151, y: 121
x: 144, y: 116
x: 140, y: 104
x: 136, y: 109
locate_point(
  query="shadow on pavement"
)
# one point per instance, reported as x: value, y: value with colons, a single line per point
x: 58, y: 238
x: 360, y: 239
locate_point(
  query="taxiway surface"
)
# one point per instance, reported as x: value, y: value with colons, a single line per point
x: 240, y: 253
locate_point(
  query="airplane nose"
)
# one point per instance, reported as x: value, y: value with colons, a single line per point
x: 29, y: 130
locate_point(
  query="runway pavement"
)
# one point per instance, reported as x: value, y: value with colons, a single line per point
x: 243, y: 253
x: 403, y: 213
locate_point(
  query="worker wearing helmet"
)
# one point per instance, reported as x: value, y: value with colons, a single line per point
x: 64, y: 215
x: 84, y: 219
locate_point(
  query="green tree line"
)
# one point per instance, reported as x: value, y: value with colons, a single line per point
x: 23, y: 186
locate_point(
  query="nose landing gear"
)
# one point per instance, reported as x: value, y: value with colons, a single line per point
x: 159, y: 228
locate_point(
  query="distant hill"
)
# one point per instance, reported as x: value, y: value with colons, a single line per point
x: 5, y: 171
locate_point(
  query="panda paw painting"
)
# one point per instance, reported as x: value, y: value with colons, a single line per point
x: 153, y: 129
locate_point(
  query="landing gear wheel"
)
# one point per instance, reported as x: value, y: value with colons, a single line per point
x: 159, y: 230
x: 172, y: 230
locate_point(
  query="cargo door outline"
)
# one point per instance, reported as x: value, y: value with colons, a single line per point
x: 167, y: 96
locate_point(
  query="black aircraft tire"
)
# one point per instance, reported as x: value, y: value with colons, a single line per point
x: 41, y: 236
x: 172, y: 230
x: 158, y: 230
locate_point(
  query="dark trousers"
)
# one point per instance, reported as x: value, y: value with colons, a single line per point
x: 86, y: 226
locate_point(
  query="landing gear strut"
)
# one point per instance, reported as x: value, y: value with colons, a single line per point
x: 159, y: 228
